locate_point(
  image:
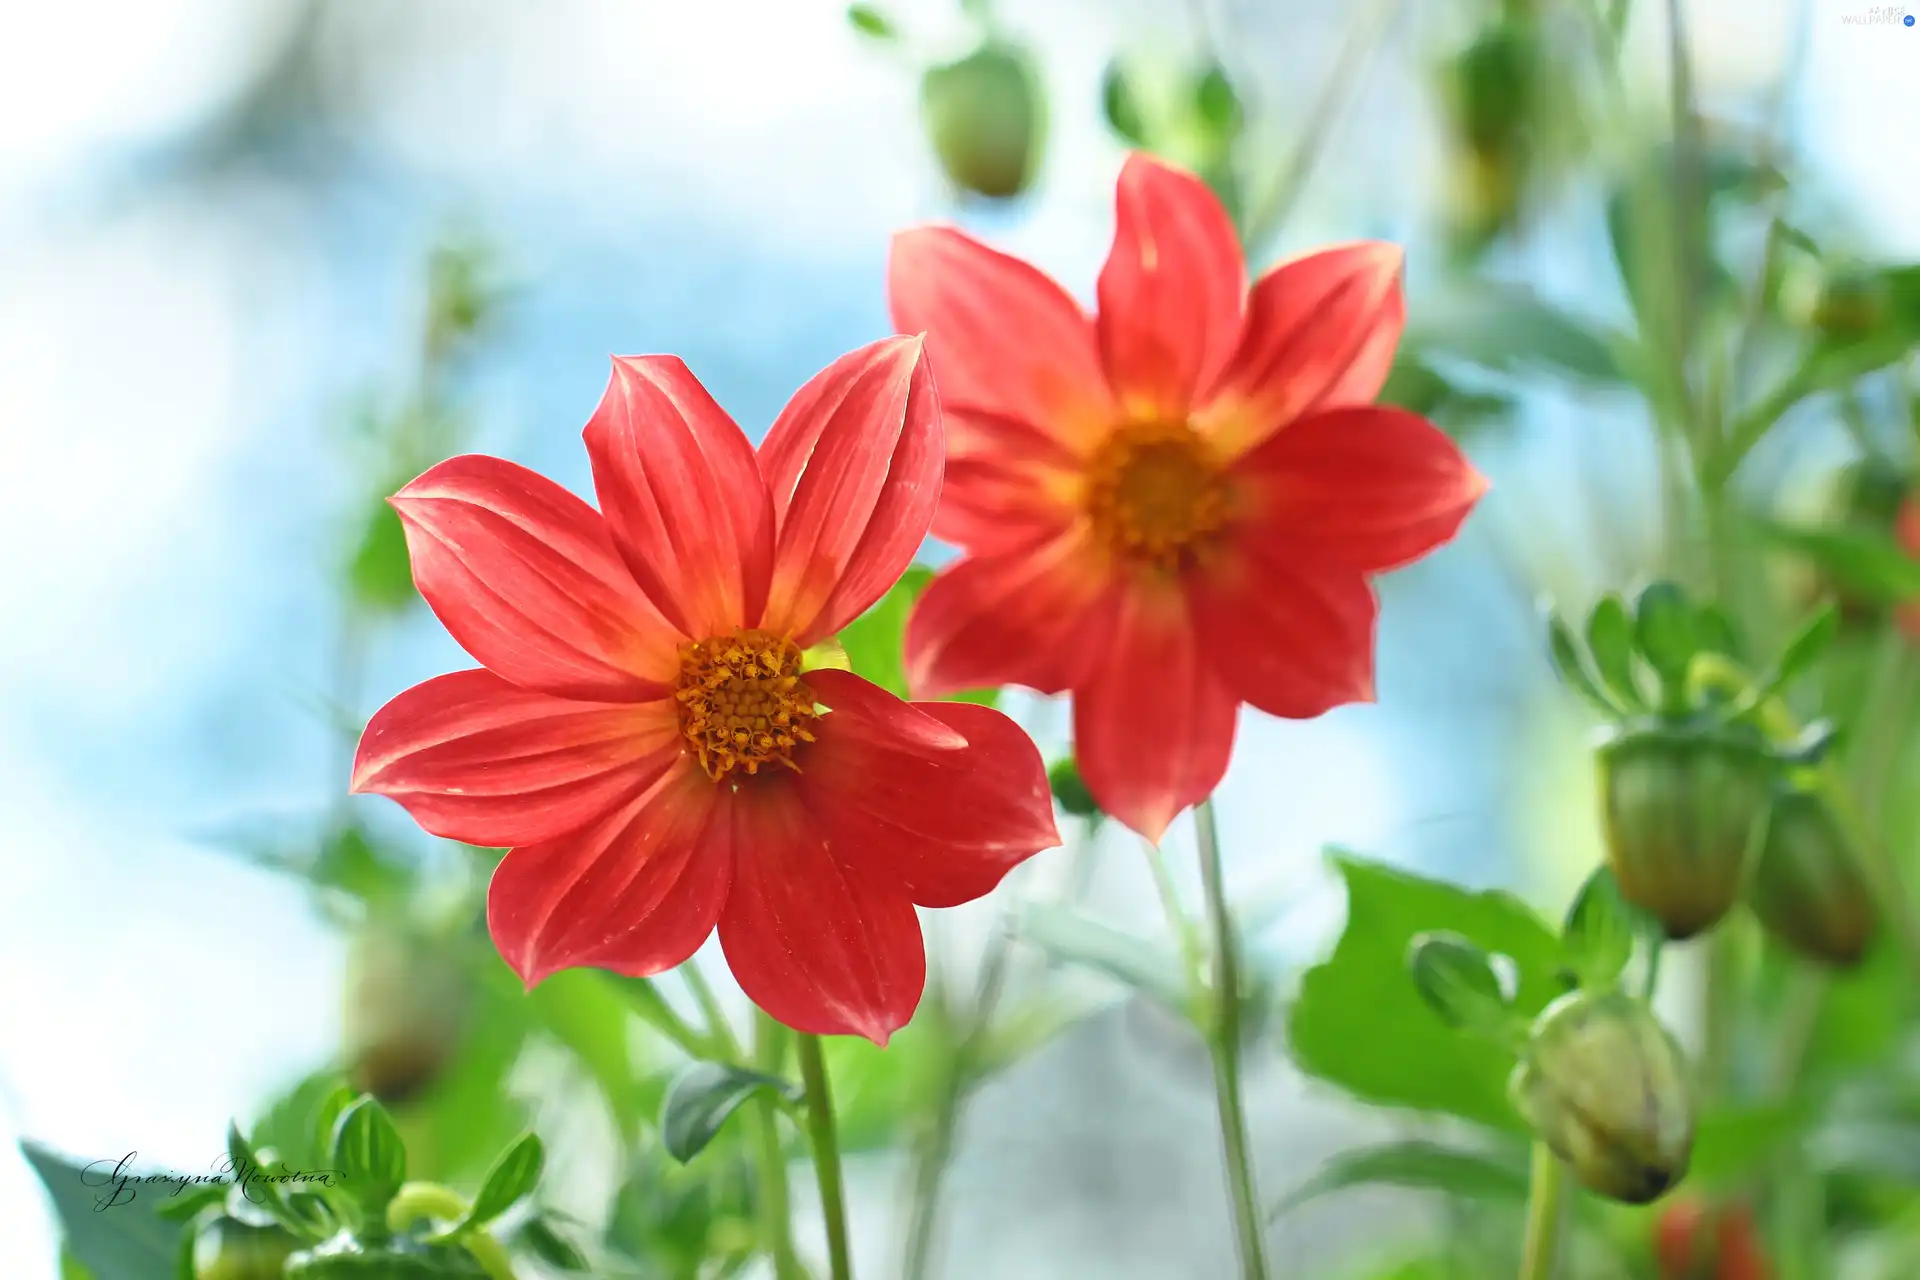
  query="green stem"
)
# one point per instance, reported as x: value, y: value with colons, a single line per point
x: 431, y: 1201
x: 719, y: 1030
x: 653, y: 1009
x: 1186, y: 936
x: 826, y: 1155
x: 776, y: 1218
x: 1223, y: 1040
x: 1546, y: 1204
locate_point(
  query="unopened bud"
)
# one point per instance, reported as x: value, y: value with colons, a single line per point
x: 228, y: 1249
x: 345, y: 1258
x: 1808, y: 887
x: 984, y: 116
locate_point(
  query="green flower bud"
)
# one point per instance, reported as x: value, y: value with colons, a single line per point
x: 405, y: 1012
x: 228, y: 1249
x: 1681, y: 807
x: 984, y: 116
x: 1808, y: 887
x: 1604, y: 1085
x: 345, y: 1258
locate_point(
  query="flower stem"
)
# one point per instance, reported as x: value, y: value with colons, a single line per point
x: 776, y: 1221
x: 719, y: 1030
x: 1223, y: 1040
x: 1546, y: 1202
x: 826, y: 1155
x: 431, y: 1201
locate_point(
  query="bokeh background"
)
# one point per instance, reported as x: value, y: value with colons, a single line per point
x: 216, y: 219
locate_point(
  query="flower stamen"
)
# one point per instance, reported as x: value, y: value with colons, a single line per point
x: 742, y: 703
x: 1155, y: 495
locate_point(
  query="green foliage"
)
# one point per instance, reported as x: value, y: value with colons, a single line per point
x: 1868, y: 563
x: 1423, y: 1166
x: 1510, y: 329
x: 1610, y: 642
x: 513, y: 1177
x: 876, y: 640
x: 369, y: 1155
x: 1120, y: 104
x: 128, y: 1241
x: 1601, y: 930
x: 1457, y: 980
x: 870, y: 22
x: 1148, y: 967
x: 704, y: 1095
x: 1070, y: 789
x: 1360, y: 1023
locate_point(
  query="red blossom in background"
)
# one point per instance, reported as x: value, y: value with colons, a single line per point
x: 642, y: 733
x: 1173, y: 507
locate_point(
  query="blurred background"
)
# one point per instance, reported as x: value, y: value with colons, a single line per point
x: 262, y: 262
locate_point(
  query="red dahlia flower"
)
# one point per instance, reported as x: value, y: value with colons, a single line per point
x: 644, y: 733
x: 1172, y: 507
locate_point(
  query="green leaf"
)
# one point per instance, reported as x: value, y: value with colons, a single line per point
x: 368, y: 1153
x: 540, y: 1238
x: 875, y: 641
x: 380, y: 575
x: 1717, y: 632
x: 1807, y: 647
x: 1571, y: 665
x: 1418, y: 387
x: 869, y: 21
x: 1601, y: 930
x: 1610, y: 641
x: 71, y: 1268
x: 1217, y: 105
x: 1730, y: 1143
x: 512, y: 1178
x: 1358, y: 1023
x: 1070, y: 789
x: 113, y: 1230
x: 590, y: 1018
x: 1069, y: 936
x: 1421, y: 1166
x: 703, y: 1096
x: 1665, y: 631
x: 1457, y: 981
x: 184, y: 1205
x: 1867, y: 563
x: 1121, y: 105
x: 1507, y: 328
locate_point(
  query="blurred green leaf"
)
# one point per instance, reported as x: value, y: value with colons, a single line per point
x: 869, y: 21
x: 369, y: 1155
x: 591, y: 1019
x: 115, y: 1233
x: 1416, y: 386
x: 1422, y: 1166
x: 1665, y: 631
x: 1730, y: 1143
x: 704, y: 1095
x: 879, y: 1092
x: 183, y: 1205
x: 1610, y: 642
x: 513, y: 1177
x: 1718, y: 634
x: 454, y: 1129
x: 1121, y: 105
x: 1507, y: 327
x: 1217, y: 105
x: 1571, y: 665
x: 1807, y: 647
x: 1147, y: 967
x: 1360, y: 1024
x: 1601, y: 930
x: 380, y: 575
x: 1869, y: 563
x: 1070, y: 789
x: 1457, y: 981
x: 541, y: 1239
x: 875, y: 641
x: 71, y: 1268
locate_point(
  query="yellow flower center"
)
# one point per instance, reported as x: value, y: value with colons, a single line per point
x: 742, y: 703
x: 1155, y: 495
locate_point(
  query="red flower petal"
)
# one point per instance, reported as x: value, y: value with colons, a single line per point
x: 1005, y: 340
x: 1154, y: 727
x: 636, y: 892
x: 819, y: 946
x: 1031, y: 615
x: 947, y: 826
x: 1321, y: 331
x: 525, y: 577
x: 1171, y: 293
x: 1005, y: 483
x: 474, y: 758
x: 1370, y: 486
x: 880, y: 715
x: 1287, y: 633
x: 853, y: 464
x: 682, y: 495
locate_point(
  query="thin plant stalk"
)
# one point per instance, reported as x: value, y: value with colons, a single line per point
x: 776, y: 1219
x: 825, y: 1141
x: 1546, y: 1211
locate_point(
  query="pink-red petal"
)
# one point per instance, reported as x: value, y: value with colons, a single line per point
x: 1005, y: 482
x: 869, y: 710
x: 477, y: 759
x: 1153, y: 727
x: 1172, y: 291
x: 524, y: 575
x: 1371, y: 487
x: 636, y: 892
x: 946, y: 826
x: 1033, y: 614
x: 682, y: 495
x: 853, y: 464
x: 1005, y: 340
x: 814, y: 942
x: 1285, y: 632
x: 1320, y: 332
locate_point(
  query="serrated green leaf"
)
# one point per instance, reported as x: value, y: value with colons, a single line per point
x: 1360, y: 1024
x: 513, y: 1177
x: 870, y: 22
x: 1456, y: 979
x: 1423, y: 1166
x: 1069, y: 936
x: 1610, y: 641
x: 703, y: 1096
x: 1121, y: 106
x: 1601, y: 930
x: 112, y: 1230
x: 369, y: 1155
